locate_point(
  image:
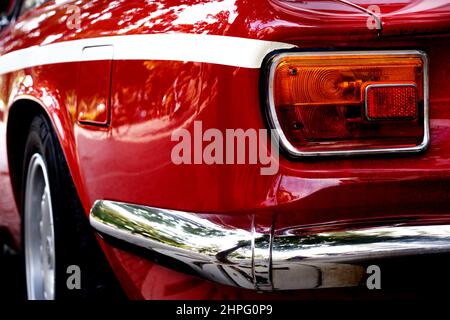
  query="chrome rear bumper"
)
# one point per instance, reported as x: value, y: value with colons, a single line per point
x: 289, y: 260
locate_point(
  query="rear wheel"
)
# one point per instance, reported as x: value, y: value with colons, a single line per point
x: 57, y: 239
x: 39, y: 234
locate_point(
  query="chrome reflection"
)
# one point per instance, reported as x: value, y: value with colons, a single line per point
x: 213, y: 251
x: 291, y: 259
x: 337, y: 259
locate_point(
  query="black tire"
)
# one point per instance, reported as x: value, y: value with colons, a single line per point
x: 75, y: 242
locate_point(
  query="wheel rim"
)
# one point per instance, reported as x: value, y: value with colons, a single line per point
x: 39, y: 232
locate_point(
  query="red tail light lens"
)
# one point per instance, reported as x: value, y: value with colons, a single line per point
x: 345, y: 103
x: 391, y: 101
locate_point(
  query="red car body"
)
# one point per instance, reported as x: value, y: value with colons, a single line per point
x: 125, y: 156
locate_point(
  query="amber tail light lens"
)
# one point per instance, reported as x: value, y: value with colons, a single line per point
x: 341, y: 103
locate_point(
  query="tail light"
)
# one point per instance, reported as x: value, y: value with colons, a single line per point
x: 342, y: 103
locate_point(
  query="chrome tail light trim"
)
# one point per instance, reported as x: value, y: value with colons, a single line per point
x: 268, y: 77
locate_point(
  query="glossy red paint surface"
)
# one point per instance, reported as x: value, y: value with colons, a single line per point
x: 129, y: 160
x: 93, y: 92
x: 411, y: 16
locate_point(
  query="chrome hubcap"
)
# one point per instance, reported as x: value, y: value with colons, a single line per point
x: 39, y: 234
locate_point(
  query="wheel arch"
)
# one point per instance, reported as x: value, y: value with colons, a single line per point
x: 20, y: 115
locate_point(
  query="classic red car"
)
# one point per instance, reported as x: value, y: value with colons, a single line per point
x: 222, y: 149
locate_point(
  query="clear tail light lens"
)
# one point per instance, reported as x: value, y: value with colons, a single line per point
x: 348, y: 102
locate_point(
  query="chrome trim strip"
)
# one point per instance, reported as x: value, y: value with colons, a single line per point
x: 293, y: 151
x: 291, y: 259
